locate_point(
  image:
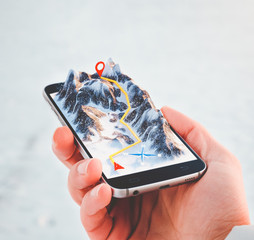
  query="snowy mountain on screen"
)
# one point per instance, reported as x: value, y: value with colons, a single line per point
x: 97, y: 105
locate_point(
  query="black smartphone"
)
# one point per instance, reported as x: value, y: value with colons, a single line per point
x: 115, y: 120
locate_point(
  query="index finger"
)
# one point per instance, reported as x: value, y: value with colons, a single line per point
x: 64, y: 147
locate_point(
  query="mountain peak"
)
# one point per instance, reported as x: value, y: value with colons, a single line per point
x: 111, y: 69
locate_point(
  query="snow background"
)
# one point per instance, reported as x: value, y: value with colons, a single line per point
x: 196, y: 56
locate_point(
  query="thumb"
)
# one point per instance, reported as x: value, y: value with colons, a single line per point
x: 192, y: 132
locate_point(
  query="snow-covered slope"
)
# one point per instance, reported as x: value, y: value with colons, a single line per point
x: 97, y: 106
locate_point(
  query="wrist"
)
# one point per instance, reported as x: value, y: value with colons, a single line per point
x: 221, y: 231
x: 217, y: 231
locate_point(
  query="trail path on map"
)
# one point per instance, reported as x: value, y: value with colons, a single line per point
x: 116, y: 165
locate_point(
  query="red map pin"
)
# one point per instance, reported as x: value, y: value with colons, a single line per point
x: 99, y: 67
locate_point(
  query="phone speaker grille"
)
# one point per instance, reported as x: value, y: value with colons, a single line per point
x: 189, y: 179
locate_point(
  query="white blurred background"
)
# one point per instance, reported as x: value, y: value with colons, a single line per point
x: 196, y: 56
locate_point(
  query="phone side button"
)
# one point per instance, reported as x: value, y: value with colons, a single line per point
x: 134, y: 180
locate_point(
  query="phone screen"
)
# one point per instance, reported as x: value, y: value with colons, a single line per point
x: 118, y: 123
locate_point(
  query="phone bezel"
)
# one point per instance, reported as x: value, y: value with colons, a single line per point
x: 141, y: 178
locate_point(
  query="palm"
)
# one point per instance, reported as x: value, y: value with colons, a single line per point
x: 161, y: 214
x: 207, y: 209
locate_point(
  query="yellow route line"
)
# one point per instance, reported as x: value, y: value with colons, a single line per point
x: 121, y: 120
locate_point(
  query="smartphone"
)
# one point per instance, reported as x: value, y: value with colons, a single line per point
x: 115, y: 120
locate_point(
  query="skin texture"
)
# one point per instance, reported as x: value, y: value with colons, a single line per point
x: 207, y: 209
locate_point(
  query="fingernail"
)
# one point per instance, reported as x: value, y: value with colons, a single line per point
x: 83, y: 167
x: 95, y: 191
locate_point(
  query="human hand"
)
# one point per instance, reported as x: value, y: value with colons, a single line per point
x: 207, y: 209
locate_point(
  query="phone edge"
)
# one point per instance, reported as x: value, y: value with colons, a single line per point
x: 128, y: 192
